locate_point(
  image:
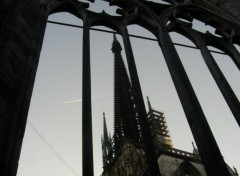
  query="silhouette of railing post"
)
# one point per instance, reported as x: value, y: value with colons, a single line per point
x: 208, y: 148
x: 87, y: 143
x: 152, y: 161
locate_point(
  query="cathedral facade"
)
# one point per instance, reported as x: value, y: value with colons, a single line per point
x: 124, y: 153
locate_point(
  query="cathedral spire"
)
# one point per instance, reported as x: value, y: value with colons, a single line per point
x: 126, y: 125
x: 116, y: 47
x: 105, y: 132
x: 107, y: 153
x: 149, y: 104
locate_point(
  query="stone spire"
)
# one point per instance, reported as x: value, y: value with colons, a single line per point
x: 116, y: 47
x: 126, y: 125
x: 235, y: 170
x: 107, y: 153
x: 105, y: 132
x: 149, y: 104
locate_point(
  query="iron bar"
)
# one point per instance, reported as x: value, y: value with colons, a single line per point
x: 215, y: 71
x: 234, y: 54
x: 208, y: 148
x: 87, y: 143
x: 151, y: 157
x: 220, y: 79
x: 236, y: 57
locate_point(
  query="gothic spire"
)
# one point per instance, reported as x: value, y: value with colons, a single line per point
x: 116, y: 47
x: 149, y: 104
x: 107, y: 153
x: 126, y: 125
x: 105, y: 132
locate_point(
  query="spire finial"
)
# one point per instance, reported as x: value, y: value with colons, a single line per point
x: 149, y: 104
x: 105, y: 133
x: 114, y: 36
x: 235, y: 170
x: 116, y: 47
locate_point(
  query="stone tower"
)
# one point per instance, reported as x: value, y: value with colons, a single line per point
x: 107, y: 150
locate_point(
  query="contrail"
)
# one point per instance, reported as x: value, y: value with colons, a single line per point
x: 80, y: 100
x: 73, y: 101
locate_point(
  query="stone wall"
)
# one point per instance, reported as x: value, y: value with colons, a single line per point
x: 129, y: 161
x: 168, y: 165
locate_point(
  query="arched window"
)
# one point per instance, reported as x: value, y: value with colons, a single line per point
x: 186, y: 169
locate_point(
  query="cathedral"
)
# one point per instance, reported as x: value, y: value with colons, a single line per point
x: 123, y: 153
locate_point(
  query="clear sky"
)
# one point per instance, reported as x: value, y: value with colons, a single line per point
x: 52, y: 143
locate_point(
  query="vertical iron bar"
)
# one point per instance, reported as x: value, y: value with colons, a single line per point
x: 216, y: 72
x: 145, y: 129
x: 208, y: 148
x: 221, y: 81
x: 234, y: 54
x: 222, y: 44
x: 87, y: 144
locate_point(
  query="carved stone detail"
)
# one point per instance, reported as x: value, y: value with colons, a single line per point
x: 130, y: 161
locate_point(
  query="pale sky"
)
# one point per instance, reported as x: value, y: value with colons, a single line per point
x: 52, y: 142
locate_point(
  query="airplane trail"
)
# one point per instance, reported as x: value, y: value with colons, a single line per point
x: 80, y: 100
